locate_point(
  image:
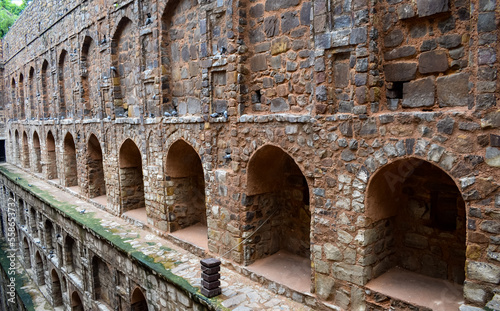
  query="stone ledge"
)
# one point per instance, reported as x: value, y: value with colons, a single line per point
x: 281, y: 117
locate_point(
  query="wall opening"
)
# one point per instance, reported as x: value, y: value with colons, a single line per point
x: 49, y: 236
x: 51, y: 157
x: 72, y: 257
x: 70, y: 164
x: 22, y: 114
x: 131, y: 178
x: 56, y: 289
x: 17, y: 155
x: 138, y: 301
x: 39, y: 270
x: 76, y: 302
x: 62, y: 67
x: 32, y: 222
x: 180, y: 58
x: 14, y: 99
x: 45, y: 92
x: 37, y: 154
x: 97, y: 185
x: 186, y: 187
x: 89, y: 90
x: 26, y: 151
x: 26, y: 254
x: 2, y: 151
x: 103, y: 281
x: 278, y: 200
x: 123, y: 56
x: 419, y: 214
x: 21, y: 212
x: 31, y: 89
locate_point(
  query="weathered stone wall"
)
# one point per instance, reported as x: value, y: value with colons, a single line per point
x: 345, y: 88
x: 68, y: 261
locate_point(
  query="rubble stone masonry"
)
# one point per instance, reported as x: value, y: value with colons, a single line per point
x: 360, y: 135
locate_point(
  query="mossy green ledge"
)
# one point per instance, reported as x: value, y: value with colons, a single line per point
x: 89, y: 222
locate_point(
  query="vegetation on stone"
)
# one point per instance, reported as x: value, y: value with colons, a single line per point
x: 9, y: 12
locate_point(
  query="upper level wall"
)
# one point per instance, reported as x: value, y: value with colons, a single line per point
x: 308, y: 57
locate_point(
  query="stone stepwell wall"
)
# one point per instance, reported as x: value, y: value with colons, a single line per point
x: 352, y: 91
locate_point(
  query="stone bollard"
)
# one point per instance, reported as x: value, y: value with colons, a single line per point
x: 210, y: 284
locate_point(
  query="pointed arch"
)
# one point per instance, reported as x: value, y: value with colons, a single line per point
x: 45, y: 90
x: 89, y: 78
x: 102, y: 281
x: 22, y: 114
x: 13, y: 98
x: 72, y: 256
x: 26, y: 254
x: 179, y: 51
x: 32, y: 222
x: 122, y: 58
x: 51, y: 157
x: 131, y: 177
x: 278, y: 190
x: 70, y: 162
x: 76, y: 302
x: 37, y: 155
x: 49, y: 235
x: 410, y: 202
x: 185, y: 171
x: 39, y: 270
x: 26, y: 151
x: 56, y: 289
x: 16, y: 145
x: 138, y: 300
x: 31, y: 90
x: 97, y: 185
x: 64, y: 82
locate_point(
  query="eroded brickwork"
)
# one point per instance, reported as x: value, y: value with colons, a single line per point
x: 359, y: 135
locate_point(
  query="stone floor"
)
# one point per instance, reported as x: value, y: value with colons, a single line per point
x: 238, y: 292
x: 419, y: 290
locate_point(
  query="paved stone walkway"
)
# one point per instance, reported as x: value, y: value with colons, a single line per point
x: 238, y: 292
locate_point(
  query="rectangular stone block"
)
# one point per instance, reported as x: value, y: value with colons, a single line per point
x: 483, y: 271
x: 210, y: 277
x: 433, y: 61
x: 453, y: 90
x: 210, y: 292
x: 431, y: 7
x: 400, y: 72
x: 210, y: 285
x: 419, y: 93
x: 213, y: 270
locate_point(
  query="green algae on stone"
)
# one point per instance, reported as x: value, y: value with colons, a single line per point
x: 88, y: 221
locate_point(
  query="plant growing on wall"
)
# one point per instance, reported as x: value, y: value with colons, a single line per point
x: 9, y: 12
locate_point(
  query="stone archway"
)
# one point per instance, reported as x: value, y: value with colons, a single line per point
x: 138, y: 301
x: 131, y: 178
x: 186, y: 187
x: 76, y: 302
x: 71, y: 256
x: 102, y: 281
x: 38, y: 269
x: 97, y: 185
x: 26, y: 254
x: 277, y: 208
x: 26, y: 151
x: 51, y: 157
x: 57, y: 299
x: 37, y: 156
x: 414, y: 202
x: 70, y: 162
x: 417, y: 233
